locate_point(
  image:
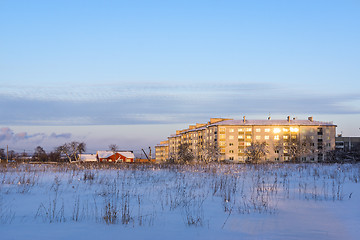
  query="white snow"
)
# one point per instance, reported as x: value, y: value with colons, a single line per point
x: 99, y: 201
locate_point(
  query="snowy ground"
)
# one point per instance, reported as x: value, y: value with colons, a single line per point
x: 290, y: 201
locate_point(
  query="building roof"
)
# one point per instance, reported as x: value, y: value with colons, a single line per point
x: 162, y: 145
x: 106, y: 154
x: 272, y: 122
x: 174, y: 135
x: 348, y: 139
x: 127, y: 154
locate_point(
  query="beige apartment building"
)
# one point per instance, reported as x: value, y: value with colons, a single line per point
x: 162, y: 151
x: 285, y: 140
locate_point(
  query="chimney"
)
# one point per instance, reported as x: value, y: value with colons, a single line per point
x: 288, y: 118
x: 310, y: 119
x: 244, y: 119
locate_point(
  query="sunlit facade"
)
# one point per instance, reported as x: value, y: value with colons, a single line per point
x: 283, y: 138
x: 162, y: 151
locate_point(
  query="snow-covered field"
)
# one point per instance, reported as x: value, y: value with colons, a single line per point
x: 106, y: 201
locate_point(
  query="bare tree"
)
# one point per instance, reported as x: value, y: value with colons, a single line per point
x: 2, y: 154
x: 303, y: 148
x: 256, y: 151
x: 114, y: 148
x: 11, y: 155
x: 210, y: 152
x: 54, y: 156
x: 72, y: 150
x: 185, y: 155
x: 40, y: 155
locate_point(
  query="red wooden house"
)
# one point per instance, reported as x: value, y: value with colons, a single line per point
x: 109, y: 156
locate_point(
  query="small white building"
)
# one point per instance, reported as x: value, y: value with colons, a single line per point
x: 88, y: 158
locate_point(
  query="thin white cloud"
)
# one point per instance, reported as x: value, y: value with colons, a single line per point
x: 115, y: 92
x: 146, y: 103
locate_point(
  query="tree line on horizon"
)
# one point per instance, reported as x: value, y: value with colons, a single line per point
x: 209, y: 153
x: 68, y: 152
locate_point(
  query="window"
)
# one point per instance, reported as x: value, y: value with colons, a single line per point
x: 320, y: 131
x: 277, y: 130
x: 240, y: 129
x: 248, y: 129
x: 248, y: 137
x: 248, y: 144
x: 258, y: 130
x: 277, y: 159
x: 231, y: 151
x: 267, y: 137
x: 267, y: 129
x: 231, y: 137
x: 222, y: 136
x: 277, y: 151
x: 294, y: 129
x: 241, y: 150
x: 286, y: 137
x: 241, y: 137
x: 231, y: 130
x: 231, y: 144
x: 231, y: 158
x: 277, y: 137
x: 258, y: 137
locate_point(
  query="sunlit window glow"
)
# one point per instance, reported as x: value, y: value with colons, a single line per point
x: 294, y: 129
x: 277, y: 130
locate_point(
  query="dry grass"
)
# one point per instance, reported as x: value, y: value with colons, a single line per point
x: 135, y: 195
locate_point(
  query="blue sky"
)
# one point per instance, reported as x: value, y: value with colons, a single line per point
x: 84, y: 70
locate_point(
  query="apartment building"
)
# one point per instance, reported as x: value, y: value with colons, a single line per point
x: 285, y: 140
x: 162, y: 151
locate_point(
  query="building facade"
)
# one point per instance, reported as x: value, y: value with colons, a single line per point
x: 285, y: 140
x: 162, y: 151
x: 347, y: 144
x: 110, y: 156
